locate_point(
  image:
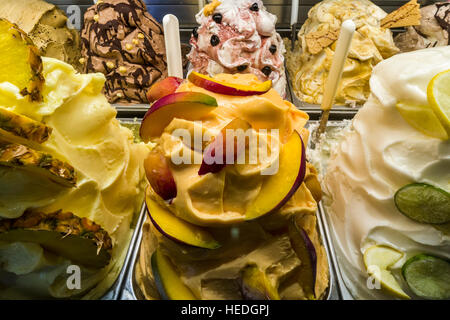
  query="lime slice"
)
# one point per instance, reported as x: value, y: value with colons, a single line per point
x: 423, y: 119
x: 377, y: 260
x: 439, y: 98
x: 423, y: 203
x: 428, y: 276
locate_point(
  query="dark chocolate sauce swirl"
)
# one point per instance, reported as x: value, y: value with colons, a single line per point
x: 123, y: 41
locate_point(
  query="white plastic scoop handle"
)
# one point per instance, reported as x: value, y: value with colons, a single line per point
x: 294, y: 12
x: 173, y: 46
x: 337, y: 66
x: 201, y: 4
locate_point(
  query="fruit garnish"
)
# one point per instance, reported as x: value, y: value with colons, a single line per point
x: 63, y: 233
x: 20, y: 63
x: 423, y: 203
x: 208, y: 162
x: 17, y: 128
x: 428, y: 276
x: 177, y: 229
x: 423, y: 119
x: 277, y: 189
x: 163, y: 88
x: 256, y: 286
x: 190, y: 106
x: 231, y: 89
x: 169, y: 284
x: 305, y: 250
x: 24, y: 158
x: 378, y: 259
x: 438, y: 92
x: 159, y: 175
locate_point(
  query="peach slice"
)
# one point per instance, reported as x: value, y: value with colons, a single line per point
x: 168, y: 282
x: 305, y: 250
x: 177, y: 229
x: 230, y: 89
x: 159, y: 175
x: 184, y: 105
x: 277, y: 189
x: 163, y: 88
x: 255, y: 285
x: 209, y: 164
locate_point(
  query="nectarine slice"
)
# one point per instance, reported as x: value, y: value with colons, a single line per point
x: 277, y: 189
x: 177, y: 229
x: 305, y: 250
x: 209, y: 163
x: 255, y: 285
x: 183, y: 105
x: 167, y: 280
x: 230, y: 89
x: 159, y: 175
x: 163, y: 88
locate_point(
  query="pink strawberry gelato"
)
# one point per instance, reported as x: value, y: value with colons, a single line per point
x: 238, y: 36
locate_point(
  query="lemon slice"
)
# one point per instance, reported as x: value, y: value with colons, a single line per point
x: 423, y: 119
x: 377, y: 260
x: 439, y: 98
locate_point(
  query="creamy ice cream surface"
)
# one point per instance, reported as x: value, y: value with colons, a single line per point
x: 433, y: 30
x: 109, y: 189
x: 238, y: 36
x: 381, y: 154
x: 217, y: 202
x: 310, y: 62
x: 47, y: 26
x: 123, y: 41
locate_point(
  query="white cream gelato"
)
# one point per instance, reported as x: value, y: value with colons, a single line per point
x: 381, y: 154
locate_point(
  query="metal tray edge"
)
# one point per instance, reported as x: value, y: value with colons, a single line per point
x: 115, y: 291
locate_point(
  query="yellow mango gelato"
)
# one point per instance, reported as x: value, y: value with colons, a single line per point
x: 109, y: 188
x: 217, y: 202
x: 310, y: 62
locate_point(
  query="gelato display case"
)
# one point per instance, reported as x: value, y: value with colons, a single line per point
x: 119, y: 179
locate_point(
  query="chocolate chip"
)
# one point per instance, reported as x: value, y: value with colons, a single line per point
x: 273, y: 49
x: 254, y: 7
x: 195, y: 32
x: 217, y: 17
x: 267, y: 71
x: 215, y: 40
x: 242, y: 67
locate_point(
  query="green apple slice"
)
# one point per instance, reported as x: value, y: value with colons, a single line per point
x: 378, y: 259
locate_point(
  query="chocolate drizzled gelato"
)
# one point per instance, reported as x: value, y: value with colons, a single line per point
x: 123, y: 41
x: 433, y: 31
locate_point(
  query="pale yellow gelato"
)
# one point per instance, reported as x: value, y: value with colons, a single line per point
x: 110, y: 179
x: 310, y: 62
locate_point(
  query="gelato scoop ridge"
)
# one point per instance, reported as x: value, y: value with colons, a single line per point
x: 310, y: 62
x: 47, y: 26
x: 433, y: 31
x: 238, y: 36
x: 123, y: 41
